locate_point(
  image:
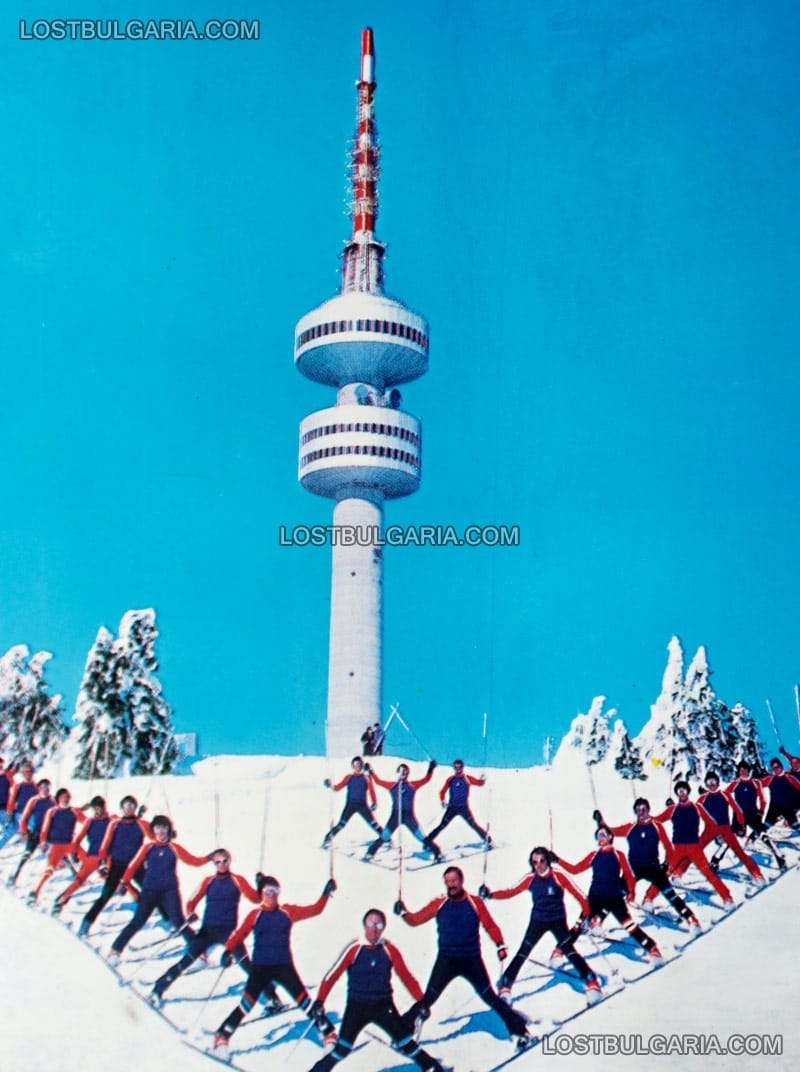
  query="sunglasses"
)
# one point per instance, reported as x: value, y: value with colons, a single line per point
x: 271, y: 889
x: 221, y: 861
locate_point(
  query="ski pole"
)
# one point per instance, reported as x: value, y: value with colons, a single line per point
x: 485, y: 741
x: 548, y: 744
x: 264, y: 827
x: 216, y: 817
x: 407, y: 728
x: 400, y: 841
x: 611, y: 969
x: 188, y: 1030
x: 774, y: 723
x: 173, y: 933
x: 797, y: 703
x: 486, y: 846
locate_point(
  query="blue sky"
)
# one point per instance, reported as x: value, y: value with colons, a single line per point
x: 596, y: 208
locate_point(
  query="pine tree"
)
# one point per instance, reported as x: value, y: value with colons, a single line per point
x: 627, y: 757
x: 101, y: 713
x: 665, y: 741
x: 590, y: 732
x: 748, y: 746
x: 31, y: 725
x: 125, y: 725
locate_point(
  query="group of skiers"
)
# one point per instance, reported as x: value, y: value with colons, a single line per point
x: 360, y: 799
x: 140, y: 857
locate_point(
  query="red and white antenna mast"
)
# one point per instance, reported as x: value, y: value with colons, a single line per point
x: 362, y: 267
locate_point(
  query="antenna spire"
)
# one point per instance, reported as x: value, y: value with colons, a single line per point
x: 362, y: 267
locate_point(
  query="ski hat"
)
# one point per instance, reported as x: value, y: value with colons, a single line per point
x: 163, y: 821
x: 358, y: 760
x: 682, y: 785
x: 641, y: 802
x: 712, y: 774
x: 128, y: 800
x: 97, y: 802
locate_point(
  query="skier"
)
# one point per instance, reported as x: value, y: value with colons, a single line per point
x: 456, y: 791
x: 783, y: 795
x: 123, y: 839
x: 272, y: 962
x: 58, y: 832
x: 546, y: 886
x: 94, y: 830
x: 222, y: 892
x: 30, y: 823
x: 611, y: 875
x: 686, y: 818
x: 717, y: 805
x: 746, y: 791
x: 402, y: 793
x: 369, y: 965
x: 160, y: 886
x: 459, y: 916
x: 6, y: 782
x: 19, y: 795
x: 367, y: 742
x: 359, y: 790
x: 644, y: 838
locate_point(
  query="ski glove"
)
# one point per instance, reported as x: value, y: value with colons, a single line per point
x: 330, y: 887
x: 597, y: 815
x: 502, y: 951
x: 192, y: 918
x: 484, y: 892
x: 317, y: 1011
x: 400, y: 908
x: 226, y: 959
x: 432, y: 766
x: 327, y: 783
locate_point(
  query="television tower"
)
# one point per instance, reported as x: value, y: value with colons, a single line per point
x: 364, y: 449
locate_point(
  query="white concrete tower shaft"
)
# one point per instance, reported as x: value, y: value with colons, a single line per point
x: 355, y: 667
x: 364, y: 449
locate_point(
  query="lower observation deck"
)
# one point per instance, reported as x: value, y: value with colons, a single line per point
x: 367, y: 450
x: 359, y: 336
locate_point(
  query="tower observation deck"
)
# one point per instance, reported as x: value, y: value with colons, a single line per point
x: 365, y: 448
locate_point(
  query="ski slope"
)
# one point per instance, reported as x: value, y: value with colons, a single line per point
x: 64, y: 1006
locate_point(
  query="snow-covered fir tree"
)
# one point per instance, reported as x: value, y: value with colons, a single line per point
x: 707, y: 722
x: 665, y: 740
x: 153, y: 738
x: 124, y: 723
x: 101, y: 712
x: 748, y: 746
x: 626, y: 756
x: 31, y: 725
x: 590, y: 734
x: 692, y: 731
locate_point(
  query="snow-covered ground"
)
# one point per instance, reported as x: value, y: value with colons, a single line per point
x: 64, y: 1007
